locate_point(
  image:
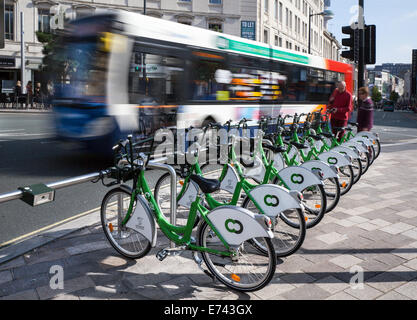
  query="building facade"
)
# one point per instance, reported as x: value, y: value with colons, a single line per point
x: 284, y: 23
x: 386, y: 83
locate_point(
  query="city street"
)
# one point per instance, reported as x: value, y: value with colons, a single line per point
x: 30, y: 155
x: 365, y: 249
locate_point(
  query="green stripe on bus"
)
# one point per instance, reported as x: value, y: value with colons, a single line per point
x: 224, y: 43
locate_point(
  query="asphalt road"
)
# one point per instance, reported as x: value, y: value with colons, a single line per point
x: 29, y: 154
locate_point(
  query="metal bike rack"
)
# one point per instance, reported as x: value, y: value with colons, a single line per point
x: 173, y: 205
x: 18, y: 194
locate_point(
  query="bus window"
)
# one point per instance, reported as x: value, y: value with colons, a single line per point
x: 297, y: 84
x: 155, y: 79
x: 204, y: 85
x: 319, y: 89
x: 252, y: 79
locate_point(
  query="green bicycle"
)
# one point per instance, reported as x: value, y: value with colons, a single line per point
x: 130, y: 217
x: 282, y: 206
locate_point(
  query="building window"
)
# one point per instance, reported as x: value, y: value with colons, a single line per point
x: 216, y: 27
x: 266, y: 40
x: 44, y: 17
x: 213, y: 1
x: 266, y: 5
x: 280, y: 42
x: 276, y: 41
x: 280, y: 12
x: 9, y: 22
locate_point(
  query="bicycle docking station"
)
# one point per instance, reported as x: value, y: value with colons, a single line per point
x: 37, y: 194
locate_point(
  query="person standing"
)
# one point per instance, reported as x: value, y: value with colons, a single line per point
x: 340, y: 103
x: 365, y: 118
x: 29, y: 92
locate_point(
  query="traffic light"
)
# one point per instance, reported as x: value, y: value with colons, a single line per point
x: 370, y: 44
x: 349, y: 42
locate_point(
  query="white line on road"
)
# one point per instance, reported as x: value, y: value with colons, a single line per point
x: 12, y: 130
x: 400, y: 143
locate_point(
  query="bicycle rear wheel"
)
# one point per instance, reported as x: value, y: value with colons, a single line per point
x: 124, y: 240
x: 247, y: 271
x: 357, y: 170
x: 289, y: 230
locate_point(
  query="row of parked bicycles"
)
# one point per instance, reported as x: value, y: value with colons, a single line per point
x: 237, y: 216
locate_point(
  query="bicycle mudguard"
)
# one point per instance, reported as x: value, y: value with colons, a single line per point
x: 299, y: 178
x: 356, y: 145
x: 237, y: 225
x: 354, y: 154
x: 273, y: 199
x: 368, y: 134
x: 230, y: 180
x: 257, y: 171
x: 189, y: 195
x: 366, y: 141
x: 143, y: 221
x: 335, y: 158
x: 327, y: 170
x: 279, y: 162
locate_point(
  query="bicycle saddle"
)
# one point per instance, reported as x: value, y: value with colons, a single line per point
x: 275, y: 149
x: 316, y: 137
x: 355, y: 124
x: 327, y: 134
x: 299, y: 145
x: 206, y: 185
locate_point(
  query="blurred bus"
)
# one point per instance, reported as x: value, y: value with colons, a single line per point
x: 118, y: 72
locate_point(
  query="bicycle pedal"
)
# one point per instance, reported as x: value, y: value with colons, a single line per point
x: 162, y: 254
x: 193, y: 240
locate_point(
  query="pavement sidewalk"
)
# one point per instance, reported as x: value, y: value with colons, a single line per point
x: 371, y: 235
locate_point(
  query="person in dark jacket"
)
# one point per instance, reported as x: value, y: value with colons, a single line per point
x: 365, y: 117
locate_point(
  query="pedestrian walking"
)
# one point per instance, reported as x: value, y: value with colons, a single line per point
x: 365, y: 118
x: 29, y: 92
x: 341, y: 105
x: 37, y: 95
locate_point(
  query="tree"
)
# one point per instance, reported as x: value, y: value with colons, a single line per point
x: 394, y: 96
x: 376, y: 95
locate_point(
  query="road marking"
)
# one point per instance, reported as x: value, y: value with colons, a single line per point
x: 12, y: 130
x: 47, y: 227
x: 400, y: 143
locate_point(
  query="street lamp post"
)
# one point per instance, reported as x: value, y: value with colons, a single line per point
x: 325, y: 13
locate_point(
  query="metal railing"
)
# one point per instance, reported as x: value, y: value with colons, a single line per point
x: 18, y: 194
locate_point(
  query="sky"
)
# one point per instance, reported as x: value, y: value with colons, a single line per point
x: 396, y: 26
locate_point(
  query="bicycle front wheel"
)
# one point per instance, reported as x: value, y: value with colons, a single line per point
x: 332, y: 190
x: 249, y: 270
x: 357, y: 170
x: 289, y: 230
x: 124, y: 240
x: 346, y: 179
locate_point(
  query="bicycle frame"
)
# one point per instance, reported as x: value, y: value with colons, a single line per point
x: 180, y: 235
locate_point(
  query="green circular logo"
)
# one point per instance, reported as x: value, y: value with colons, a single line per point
x: 297, y: 178
x: 271, y: 200
x: 234, y: 226
x: 332, y: 160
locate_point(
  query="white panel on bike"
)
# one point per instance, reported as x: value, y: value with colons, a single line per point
x: 294, y: 152
x: 299, y: 178
x: 328, y: 171
x: 230, y: 180
x: 366, y: 141
x: 335, y: 159
x: 355, y: 145
x: 279, y: 162
x: 346, y: 150
x: 367, y: 134
x: 273, y: 199
x: 257, y: 172
x: 143, y: 221
x: 189, y: 195
x: 237, y: 225
x: 318, y: 144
